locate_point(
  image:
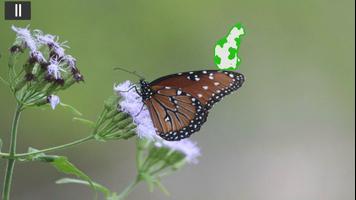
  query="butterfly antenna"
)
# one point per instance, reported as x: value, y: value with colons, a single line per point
x: 130, y: 72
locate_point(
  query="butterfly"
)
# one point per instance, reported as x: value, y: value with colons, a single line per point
x: 179, y: 103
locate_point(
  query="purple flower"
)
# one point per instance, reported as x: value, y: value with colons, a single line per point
x: 53, y: 100
x: 37, y: 56
x: 132, y: 104
x: 52, y: 42
x: 71, y: 62
x: 54, y: 69
x: 25, y: 36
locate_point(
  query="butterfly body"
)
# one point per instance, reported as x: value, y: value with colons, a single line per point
x: 179, y: 103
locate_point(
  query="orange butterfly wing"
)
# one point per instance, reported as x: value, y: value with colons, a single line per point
x: 208, y: 86
x: 175, y: 114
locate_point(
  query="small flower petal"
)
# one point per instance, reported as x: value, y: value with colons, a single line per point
x: 52, y: 42
x: 186, y: 147
x: 37, y: 56
x: 71, y: 62
x: 53, y: 100
x: 54, y: 69
x: 25, y: 36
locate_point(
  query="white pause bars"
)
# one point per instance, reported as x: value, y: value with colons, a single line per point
x: 18, y: 10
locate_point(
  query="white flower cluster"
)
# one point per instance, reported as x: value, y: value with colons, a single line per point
x: 60, y: 68
x: 133, y: 105
x: 33, y: 43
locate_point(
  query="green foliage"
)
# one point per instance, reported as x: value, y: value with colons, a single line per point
x: 113, y: 124
x: 154, y: 162
x: 109, y: 195
x: 61, y: 163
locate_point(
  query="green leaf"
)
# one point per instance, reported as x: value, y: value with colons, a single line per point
x: 107, y: 193
x: 61, y: 163
x: 98, y: 187
x: 0, y: 144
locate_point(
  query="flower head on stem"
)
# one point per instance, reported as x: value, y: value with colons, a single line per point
x: 132, y: 104
x: 46, y: 71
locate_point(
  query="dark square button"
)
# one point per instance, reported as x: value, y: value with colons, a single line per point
x: 17, y: 10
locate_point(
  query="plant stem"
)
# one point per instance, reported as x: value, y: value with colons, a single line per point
x: 129, y: 189
x: 12, y: 152
x: 63, y: 146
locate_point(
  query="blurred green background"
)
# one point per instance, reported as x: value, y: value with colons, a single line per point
x: 287, y: 134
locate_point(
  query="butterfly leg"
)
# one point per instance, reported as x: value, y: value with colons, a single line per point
x: 132, y: 87
x: 140, y: 110
x: 137, y: 91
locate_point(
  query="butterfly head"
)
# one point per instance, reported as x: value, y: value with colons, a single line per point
x: 146, y: 91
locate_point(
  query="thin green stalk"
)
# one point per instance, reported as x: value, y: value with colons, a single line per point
x: 63, y: 146
x: 4, y: 81
x: 55, y: 148
x: 129, y: 189
x: 12, y: 152
x: 139, y: 154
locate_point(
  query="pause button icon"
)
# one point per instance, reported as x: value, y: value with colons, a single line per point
x: 17, y: 10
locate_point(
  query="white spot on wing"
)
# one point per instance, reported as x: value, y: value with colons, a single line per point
x: 166, y: 119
